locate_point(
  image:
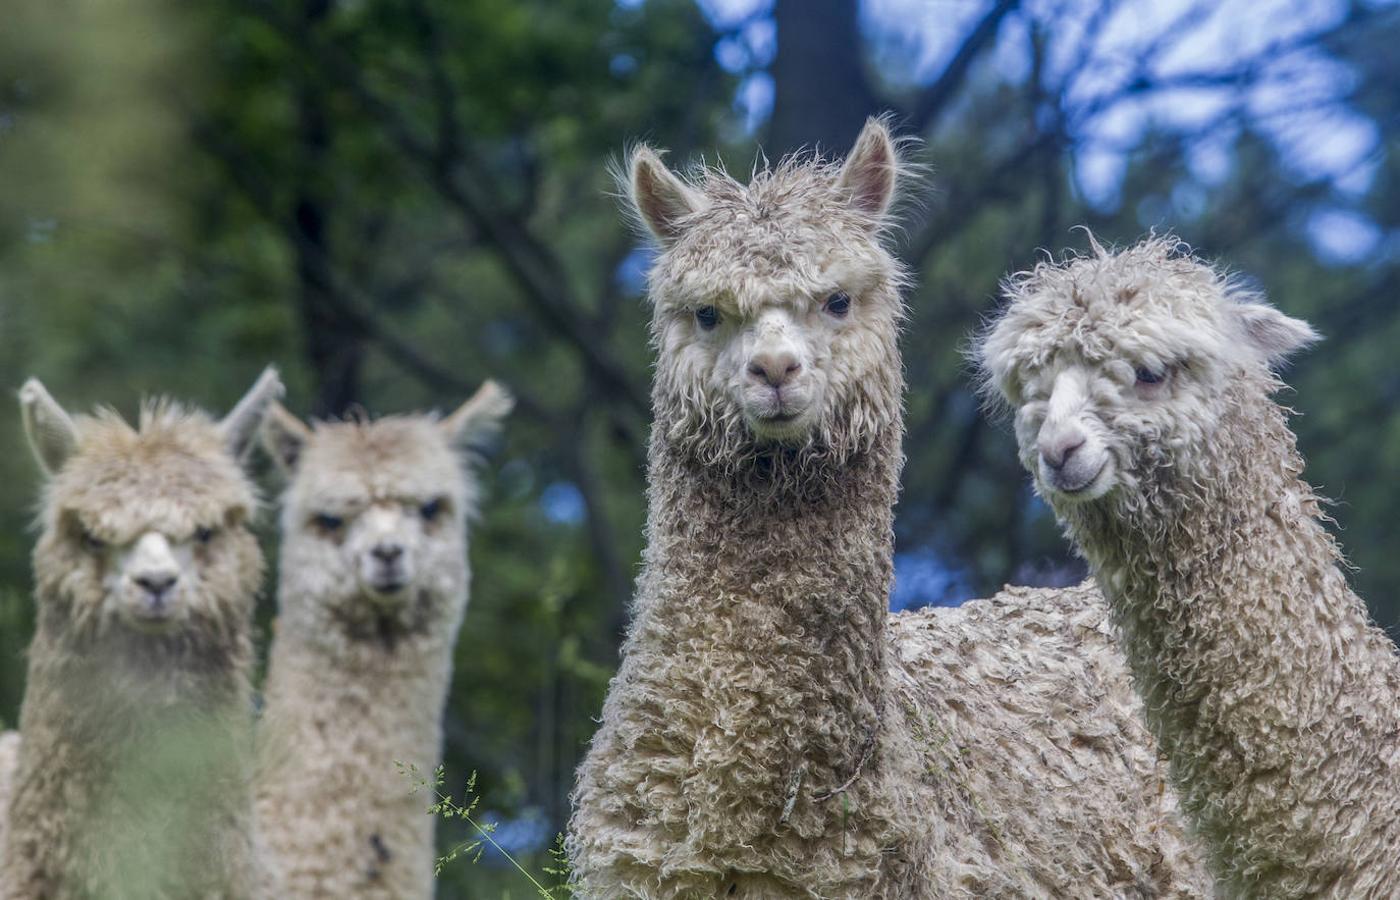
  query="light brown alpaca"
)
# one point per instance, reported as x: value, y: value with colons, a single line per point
x: 372, y: 591
x: 773, y: 732
x: 132, y: 778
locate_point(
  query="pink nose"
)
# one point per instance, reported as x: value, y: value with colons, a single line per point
x: 1057, y: 449
x: 776, y: 368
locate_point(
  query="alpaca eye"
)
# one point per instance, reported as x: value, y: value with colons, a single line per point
x: 327, y: 522
x: 92, y: 543
x: 1148, y: 376
x: 203, y: 535
x: 838, y: 304
x: 432, y: 509
x: 707, y: 317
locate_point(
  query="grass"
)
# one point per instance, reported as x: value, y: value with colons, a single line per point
x: 555, y: 867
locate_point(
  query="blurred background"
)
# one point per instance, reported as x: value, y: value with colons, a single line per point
x: 396, y: 199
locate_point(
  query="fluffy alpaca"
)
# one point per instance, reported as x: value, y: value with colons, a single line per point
x: 132, y: 779
x: 372, y: 591
x: 771, y: 732
x: 9, y: 759
x: 1142, y: 383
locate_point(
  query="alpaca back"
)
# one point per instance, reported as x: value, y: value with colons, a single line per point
x: 1024, y: 715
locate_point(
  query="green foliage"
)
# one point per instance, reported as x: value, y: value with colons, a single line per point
x: 470, y: 850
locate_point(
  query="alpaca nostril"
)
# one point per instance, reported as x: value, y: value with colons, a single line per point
x: 775, y: 369
x: 387, y: 553
x: 157, y: 585
x: 1056, y: 453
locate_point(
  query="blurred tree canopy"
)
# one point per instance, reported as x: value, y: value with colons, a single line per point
x: 396, y: 199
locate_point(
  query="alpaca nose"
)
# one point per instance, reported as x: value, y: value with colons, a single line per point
x: 388, y: 554
x: 1057, y: 449
x: 775, y: 367
x: 157, y: 584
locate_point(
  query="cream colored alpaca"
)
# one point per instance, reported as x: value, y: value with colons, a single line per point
x: 132, y: 779
x: 773, y: 732
x: 1142, y: 383
x: 373, y: 587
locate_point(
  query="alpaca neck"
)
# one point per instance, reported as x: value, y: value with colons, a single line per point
x: 1258, y: 664
x: 762, y: 614
x: 135, y: 762
x: 394, y: 677
x: 342, y: 713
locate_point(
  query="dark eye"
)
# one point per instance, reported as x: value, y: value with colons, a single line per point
x: 1148, y: 376
x: 707, y: 317
x: 432, y: 509
x: 203, y: 535
x: 92, y: 543
x: 328, y: 522
x: 838, y: 304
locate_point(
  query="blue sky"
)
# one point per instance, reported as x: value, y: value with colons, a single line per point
x: 1298, y: 98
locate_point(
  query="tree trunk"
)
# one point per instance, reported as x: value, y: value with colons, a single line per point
x: 822, y: 95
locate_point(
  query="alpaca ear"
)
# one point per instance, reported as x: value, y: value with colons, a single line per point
x: 1273, y: 334
x: 241, y: 425
x: 868, y: 176
x: 284, y: 436
x: 663, y: 202
x: 479, y: 420
x: 52, y: 435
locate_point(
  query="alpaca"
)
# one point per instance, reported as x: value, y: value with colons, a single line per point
x: 372, y: 591
x: 772, y: 731
x: 9, y: 758
x: 1142, y: 385
x: 132, y: 778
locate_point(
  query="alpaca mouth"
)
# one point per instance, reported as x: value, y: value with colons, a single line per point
x: 388, y: 587
x: 1090, y: 488
x: 152, y: 620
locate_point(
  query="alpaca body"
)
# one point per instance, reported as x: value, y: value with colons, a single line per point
x: 133, y: 778
x: 1142, y: 382
x: 372, y: 592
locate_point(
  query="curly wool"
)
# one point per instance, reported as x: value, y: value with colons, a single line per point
x: 351, y: 693
x: 132, y: 778
x: 1269, y: 688
x: 9, y: 760
x: 770, y: 733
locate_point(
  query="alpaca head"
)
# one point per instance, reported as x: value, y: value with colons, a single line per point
x: 776, y: 305
x: 1119, y: 365
x: 145, y: 529
x: 374, y: 517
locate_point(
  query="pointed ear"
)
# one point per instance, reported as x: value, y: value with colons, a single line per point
x: 662, y: 201
x: 479, y: 420
x: 1273, y: 334
x: 284, y: 436
x: 868, y: 176
x: 52, y: 435
x: 241, y: 425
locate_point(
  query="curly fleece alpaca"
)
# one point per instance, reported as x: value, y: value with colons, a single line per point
x: 1143, y: 385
